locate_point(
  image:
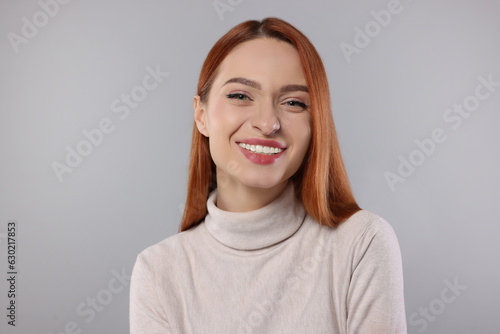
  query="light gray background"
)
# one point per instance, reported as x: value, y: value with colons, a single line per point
x: 75, y: 235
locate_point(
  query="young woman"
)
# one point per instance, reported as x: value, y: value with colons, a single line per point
x: 271, y: 240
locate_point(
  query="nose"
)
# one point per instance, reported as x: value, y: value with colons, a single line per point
x: 265, y: 119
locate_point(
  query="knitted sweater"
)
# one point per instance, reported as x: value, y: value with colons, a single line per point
x: 272, y: 270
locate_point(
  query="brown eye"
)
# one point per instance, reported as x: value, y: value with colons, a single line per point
x: 237, y: 96
x: 295, y: 103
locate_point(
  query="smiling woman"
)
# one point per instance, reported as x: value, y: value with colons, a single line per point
x: 259, y: 98
x: 271, y: 240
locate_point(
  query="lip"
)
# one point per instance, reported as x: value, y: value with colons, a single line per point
x: 261, y: 159
x: 263, y: 142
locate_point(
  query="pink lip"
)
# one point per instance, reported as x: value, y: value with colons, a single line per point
x: 262, y: 159
x: 263, y: 142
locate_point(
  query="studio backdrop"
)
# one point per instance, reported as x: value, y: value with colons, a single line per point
x: 95, y: 127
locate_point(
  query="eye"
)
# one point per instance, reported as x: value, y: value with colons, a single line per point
x: 238, y: 96
x: 295, y: 103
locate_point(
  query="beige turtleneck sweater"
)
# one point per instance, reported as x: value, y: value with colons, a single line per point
x: 272, y: 270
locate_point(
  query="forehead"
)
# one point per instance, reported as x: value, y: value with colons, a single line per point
x: 266, y: 60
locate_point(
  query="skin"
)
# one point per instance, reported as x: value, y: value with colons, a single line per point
x: 236, y: 111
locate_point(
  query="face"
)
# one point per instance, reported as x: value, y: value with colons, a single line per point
x: 257, y: 117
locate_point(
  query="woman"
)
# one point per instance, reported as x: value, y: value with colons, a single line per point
x: 271, y: 240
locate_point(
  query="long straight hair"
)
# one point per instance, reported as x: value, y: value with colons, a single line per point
x: 321, y: 182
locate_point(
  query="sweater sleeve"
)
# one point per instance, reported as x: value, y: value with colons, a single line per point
x: 375, y: 299
x: 147, y: 315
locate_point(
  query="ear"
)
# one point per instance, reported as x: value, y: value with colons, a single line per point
x: 200, y: 115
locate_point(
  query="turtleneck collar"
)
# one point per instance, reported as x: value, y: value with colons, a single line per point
x: 256, y: 229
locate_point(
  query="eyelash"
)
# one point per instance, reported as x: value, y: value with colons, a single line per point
x: 241, y: 97
x: 237, y: 96
x: 301, y: 104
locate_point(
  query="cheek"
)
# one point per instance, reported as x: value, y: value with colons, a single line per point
x: 306, y: 131
x: 223, y: 117
x: 223, y: 122
x: 300, y: 131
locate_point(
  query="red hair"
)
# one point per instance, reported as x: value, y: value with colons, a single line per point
x: 321, y: 182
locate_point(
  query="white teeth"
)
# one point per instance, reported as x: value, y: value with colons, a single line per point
x: 267, y: 150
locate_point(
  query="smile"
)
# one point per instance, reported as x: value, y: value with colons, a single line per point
x: 266, y: 150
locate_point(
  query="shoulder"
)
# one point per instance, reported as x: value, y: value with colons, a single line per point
x: 362, y: 235
x: 374, y: 271
x: 365, y: 225
x: 169, y: 251
x: 362, y: 222
x: 371, y: 238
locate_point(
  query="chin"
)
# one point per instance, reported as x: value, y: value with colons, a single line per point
x: 263, y: 181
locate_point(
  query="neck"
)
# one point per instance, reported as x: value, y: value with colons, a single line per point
x: 236, y: 197
x: 257, y: 229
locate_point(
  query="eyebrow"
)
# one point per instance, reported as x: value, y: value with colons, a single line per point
x: 251, y: 83
x: 294, y: 88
